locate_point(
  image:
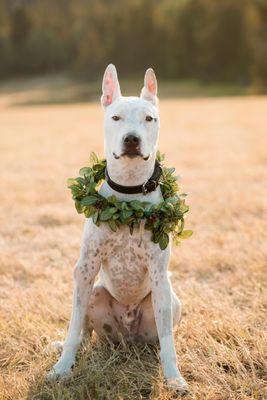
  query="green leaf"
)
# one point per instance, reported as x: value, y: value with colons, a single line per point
x: 156, y: 237
x: 89, y: 200
x: 163, y: 241
x: 176, y: 240
x: 139, y: 214
x: 160, y: 157
x: 124, y: 205
x: 126, y: 214
x: 89, y: 212
x: 172, y: 199
x: 136, y: 205
x: 184, y: 208
x: 85, y: 171
x: 78, y: 206
x: 80, y: 180
x: 93, y: 158
x: 112, y: 199
x: 95, y: 217
x: 112, y: 225
x: 105, y: 215
x: 148, y: 206
x: 90, y: 190
x: 180, y: 225
x: 72, y: 182
x: 185, y: 234
x: 112, y: 210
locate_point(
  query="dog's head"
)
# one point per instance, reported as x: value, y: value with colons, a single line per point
x: 131, y: 123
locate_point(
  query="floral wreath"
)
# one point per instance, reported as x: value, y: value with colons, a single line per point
x: 161, y: 219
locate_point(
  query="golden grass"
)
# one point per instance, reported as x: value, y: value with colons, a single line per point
x: 219, y: 148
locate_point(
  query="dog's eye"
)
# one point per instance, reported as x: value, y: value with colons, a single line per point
x: 116, y: 118
x: 149, y: 118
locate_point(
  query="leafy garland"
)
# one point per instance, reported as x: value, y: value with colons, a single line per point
x: 161, y: 219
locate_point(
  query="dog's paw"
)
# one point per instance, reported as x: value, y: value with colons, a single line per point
x: 62, y: 369
x: 57, y: 374
x: 57, y: 346
x: 178, y: 385
x: 54, y: 347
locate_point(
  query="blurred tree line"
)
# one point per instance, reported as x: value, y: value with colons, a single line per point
x: 209, y: 40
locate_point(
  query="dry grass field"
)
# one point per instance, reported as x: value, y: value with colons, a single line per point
x: 218, y: 146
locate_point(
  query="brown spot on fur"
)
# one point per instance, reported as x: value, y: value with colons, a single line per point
x: 107, y: 328
x: 96, y: 253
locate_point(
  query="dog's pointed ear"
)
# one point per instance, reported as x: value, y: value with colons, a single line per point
x: 110, y: 86
x: 149, y: 91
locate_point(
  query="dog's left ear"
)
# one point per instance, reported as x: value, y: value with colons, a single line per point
x: 110, y: 86
x: 149, y: 91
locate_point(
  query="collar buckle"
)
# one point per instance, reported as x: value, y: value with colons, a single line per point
x: 144, y: 189
x: 149, y: 184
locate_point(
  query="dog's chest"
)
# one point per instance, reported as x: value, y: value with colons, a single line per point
x: 124, y: 264
x: 125, y: 257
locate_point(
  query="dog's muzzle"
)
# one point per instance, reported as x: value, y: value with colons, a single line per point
x: 131, y: 146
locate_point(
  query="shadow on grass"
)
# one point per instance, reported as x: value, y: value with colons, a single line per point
x: 61, y: 89
x: 106, y: 371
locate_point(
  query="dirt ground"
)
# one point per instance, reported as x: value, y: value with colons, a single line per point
x: 219, y: 148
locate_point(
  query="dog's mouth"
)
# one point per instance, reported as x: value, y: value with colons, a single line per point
x: 131, y: 154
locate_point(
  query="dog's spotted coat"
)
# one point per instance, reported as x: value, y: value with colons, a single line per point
x: 132, y: 297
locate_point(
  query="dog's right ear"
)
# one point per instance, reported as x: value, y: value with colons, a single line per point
x: 149, y: 91
x: 110, y: 86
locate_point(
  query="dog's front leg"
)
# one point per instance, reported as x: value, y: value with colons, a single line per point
x: 85, y: 272
x: 162, y: 305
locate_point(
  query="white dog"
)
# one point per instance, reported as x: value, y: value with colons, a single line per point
x: 133, y: 296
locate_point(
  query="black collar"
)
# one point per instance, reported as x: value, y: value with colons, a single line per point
x: 146, y: 187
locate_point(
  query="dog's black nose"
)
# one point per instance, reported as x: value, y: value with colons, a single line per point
x: 132, y: 141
